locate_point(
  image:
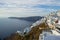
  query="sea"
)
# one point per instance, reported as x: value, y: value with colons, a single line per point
x: 9, y: 26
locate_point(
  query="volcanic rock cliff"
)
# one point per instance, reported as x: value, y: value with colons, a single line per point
x: 32, y: 35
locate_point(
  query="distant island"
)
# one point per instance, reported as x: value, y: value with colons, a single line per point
x: 31, y: 19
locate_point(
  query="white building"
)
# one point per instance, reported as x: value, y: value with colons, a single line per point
x: 53, y: 21
x: 50, y: 35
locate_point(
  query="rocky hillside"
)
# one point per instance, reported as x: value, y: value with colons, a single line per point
x: 32, y: 35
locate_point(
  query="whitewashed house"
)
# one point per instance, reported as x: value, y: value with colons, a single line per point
x: 53, y: 21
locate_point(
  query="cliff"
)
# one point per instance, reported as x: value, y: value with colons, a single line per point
x: 32, y: 35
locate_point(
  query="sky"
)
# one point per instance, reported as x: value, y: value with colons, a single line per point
x: 24, y: 8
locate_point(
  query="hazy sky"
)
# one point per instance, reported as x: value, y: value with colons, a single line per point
x: 21, y: 8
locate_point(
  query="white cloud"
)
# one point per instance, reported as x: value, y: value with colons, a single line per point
x: 21, y: 12
x: 24, y: 7
x: 19, y: 3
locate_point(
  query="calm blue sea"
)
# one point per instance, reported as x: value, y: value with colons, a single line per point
x: 9, y: 26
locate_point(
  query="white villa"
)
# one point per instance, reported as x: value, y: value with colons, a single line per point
x: 53, y: 21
